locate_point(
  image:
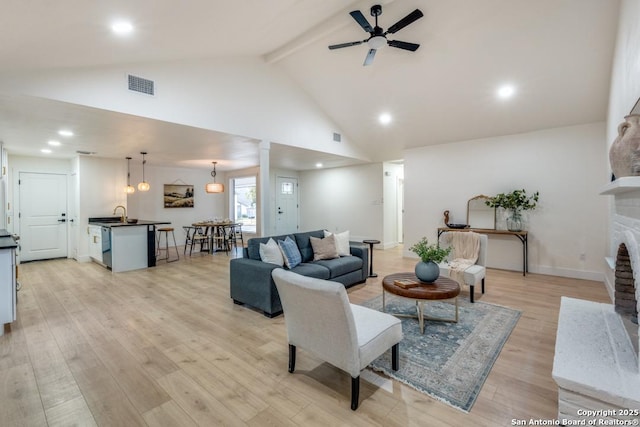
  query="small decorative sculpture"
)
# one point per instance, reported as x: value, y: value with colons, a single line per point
x: 446, y: 217
x: 624, y: 154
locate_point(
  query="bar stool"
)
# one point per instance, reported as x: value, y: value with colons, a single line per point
x: 165, y: 231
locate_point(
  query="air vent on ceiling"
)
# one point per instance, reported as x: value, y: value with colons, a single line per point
x: 138, y: 84
x: 89, y: 153
x: 337, y: 137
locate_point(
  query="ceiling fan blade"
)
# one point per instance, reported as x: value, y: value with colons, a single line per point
x: 369, y: 59
x: 341, y: 45
x: 404, y: 45
x: 360, y: 19
x: 413, y: 16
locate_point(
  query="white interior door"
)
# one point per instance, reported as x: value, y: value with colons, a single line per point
x: 42, y: 216
x: 286, y: 205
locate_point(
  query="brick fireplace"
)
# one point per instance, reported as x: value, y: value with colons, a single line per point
x: 596, y: 363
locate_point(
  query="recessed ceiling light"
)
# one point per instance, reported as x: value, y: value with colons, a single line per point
x: 318, y: 165
x: 384, y: 118
x: 65, y: 132
x: 54, y: 143
x: 506, y: 91
x: 45, y: 150
x: 122, y: 27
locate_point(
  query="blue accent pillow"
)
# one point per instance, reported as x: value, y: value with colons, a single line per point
x: 290, y: 252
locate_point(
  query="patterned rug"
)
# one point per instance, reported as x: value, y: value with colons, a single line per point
x: 451, y: 361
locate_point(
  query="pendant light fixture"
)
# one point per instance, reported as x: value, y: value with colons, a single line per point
x: 214, y: 187
x: 129, y: 189
x: 144, y: 185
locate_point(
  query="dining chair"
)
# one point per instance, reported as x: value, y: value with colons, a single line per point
x: 195, y: 236
x: 321, y: 320
x: 220, y: 237
x: 235, y: 236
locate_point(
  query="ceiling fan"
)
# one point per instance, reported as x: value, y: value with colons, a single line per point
x: 378, y: 37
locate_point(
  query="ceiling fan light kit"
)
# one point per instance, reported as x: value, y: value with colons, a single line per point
x: 378, y: 37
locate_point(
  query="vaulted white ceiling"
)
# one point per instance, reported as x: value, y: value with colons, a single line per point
x: 556, y: 53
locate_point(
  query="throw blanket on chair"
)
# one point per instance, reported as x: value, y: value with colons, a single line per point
x: 466, y: 247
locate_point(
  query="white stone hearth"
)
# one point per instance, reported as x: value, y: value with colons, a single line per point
x: 595, y: 365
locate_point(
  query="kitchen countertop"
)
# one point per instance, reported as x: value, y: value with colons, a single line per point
x: 6, y: 240
x: 114, y: 222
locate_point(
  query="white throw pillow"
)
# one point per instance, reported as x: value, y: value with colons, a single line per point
x: 270, y: 252
x: 342, y: 242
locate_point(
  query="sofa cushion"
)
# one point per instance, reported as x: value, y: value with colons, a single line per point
x: 312, y: 269
x: 304, y: 244
x: 342, y: 242
x: 290, y: 252
x: 342, y: 265
x: 253, y: 245
x: 324, y: 248
x: 270, y: 252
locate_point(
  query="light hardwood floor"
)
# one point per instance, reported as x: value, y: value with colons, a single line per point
x: 167, y: 347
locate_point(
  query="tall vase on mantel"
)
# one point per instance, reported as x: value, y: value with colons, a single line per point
x: 624, y: 154
x: 514, y: 220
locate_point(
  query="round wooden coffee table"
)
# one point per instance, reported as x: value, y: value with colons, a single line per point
x: 442, y: 289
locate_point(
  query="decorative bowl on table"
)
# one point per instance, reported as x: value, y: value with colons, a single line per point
x: 458, y: 225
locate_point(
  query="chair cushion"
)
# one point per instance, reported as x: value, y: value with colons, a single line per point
x: 472, y: 275
x: 324, y: 248
x: 377, y: 332
x: 290, y: 252
x: 342, y: 265
x: 270, y: 252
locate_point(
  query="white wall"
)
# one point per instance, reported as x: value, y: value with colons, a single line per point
x: 340, y: 199
x: 241, y: 96
x: 150, y: 205
x: 625, y: 91
x: 565, y: 165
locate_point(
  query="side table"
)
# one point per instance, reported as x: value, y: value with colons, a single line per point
x: 371, y: 242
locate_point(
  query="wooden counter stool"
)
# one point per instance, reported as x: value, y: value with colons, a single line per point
x: 165, y: 232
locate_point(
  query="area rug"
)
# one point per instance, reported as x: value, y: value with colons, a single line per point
x: 451, y: 361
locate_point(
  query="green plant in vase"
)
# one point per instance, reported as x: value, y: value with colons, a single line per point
x: 431, y: 255
x: 515, y: 202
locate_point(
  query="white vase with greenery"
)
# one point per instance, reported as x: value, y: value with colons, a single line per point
x: 514, y: 203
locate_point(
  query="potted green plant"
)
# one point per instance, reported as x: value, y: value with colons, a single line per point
x: 515, y: 202
x: 431, y: 255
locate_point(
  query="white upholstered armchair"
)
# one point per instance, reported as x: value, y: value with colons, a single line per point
x: 320, y: 320
x: 469, y: 273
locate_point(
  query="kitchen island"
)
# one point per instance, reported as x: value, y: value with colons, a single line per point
x: 123, y: 246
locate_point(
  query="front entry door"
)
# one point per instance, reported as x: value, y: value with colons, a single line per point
x: 286, y: 205
x: 42, y: 216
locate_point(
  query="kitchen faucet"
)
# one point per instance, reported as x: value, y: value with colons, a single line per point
x: 123, y: 218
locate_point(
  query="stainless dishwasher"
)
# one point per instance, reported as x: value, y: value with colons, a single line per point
x: 106, y: 246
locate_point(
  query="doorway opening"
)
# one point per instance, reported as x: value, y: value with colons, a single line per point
x: 244, y: 202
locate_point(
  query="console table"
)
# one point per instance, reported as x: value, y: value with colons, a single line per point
x: 523, y: 236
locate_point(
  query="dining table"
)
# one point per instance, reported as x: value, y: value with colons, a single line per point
x: 216, y: 231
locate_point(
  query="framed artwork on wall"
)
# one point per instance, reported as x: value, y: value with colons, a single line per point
x: 178, y: 196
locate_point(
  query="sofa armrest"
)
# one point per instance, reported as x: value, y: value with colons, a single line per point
x: 250, y: 283
x: 361, y: 250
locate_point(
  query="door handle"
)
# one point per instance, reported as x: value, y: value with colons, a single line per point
x: 62, y: 220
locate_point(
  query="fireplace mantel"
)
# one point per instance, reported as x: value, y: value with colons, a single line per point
x: 622, y: 185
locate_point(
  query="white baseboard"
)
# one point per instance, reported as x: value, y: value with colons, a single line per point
x: 568, y: 272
